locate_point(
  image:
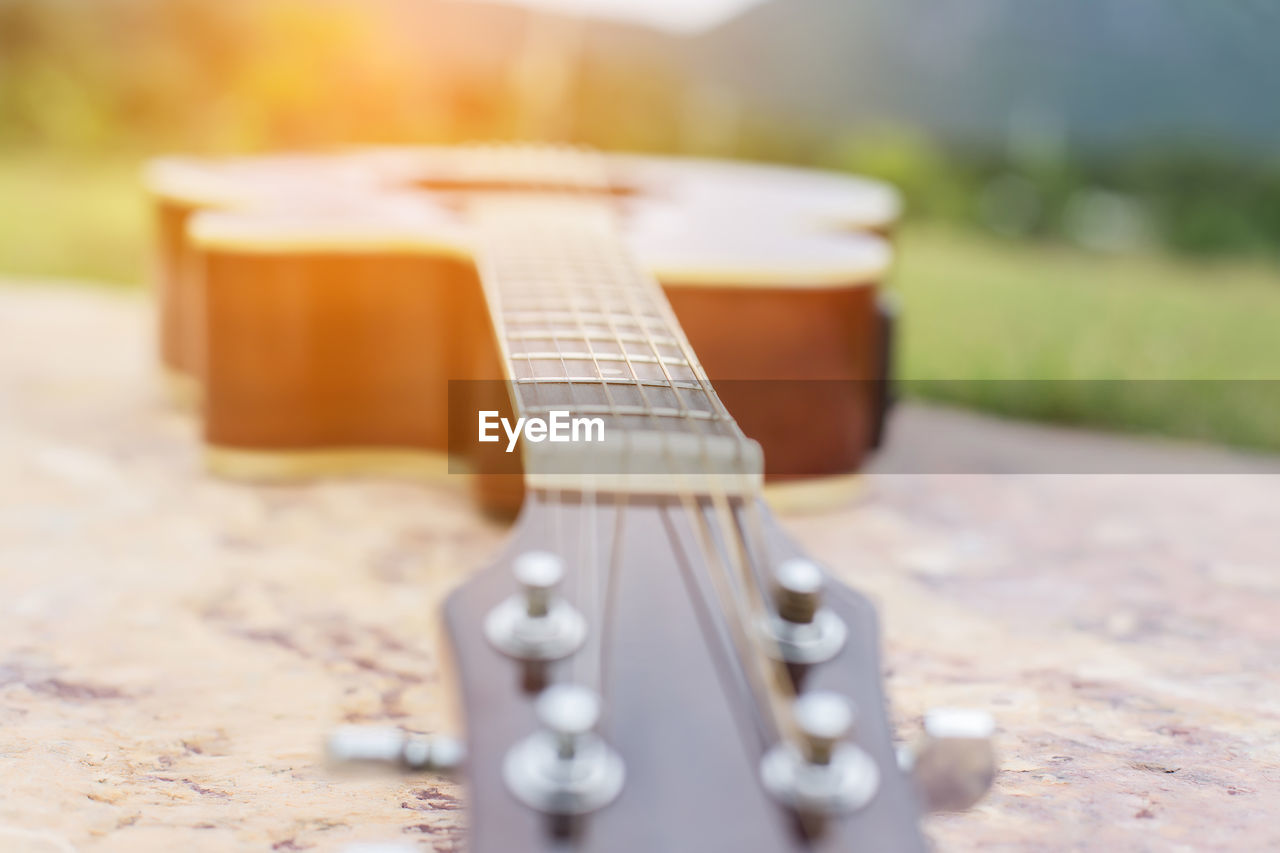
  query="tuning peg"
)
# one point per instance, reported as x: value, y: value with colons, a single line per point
x: 570, y: 713
x: 823, y: 719
x: 798, y: 590
x: 536, y: 624
x: 565, y: 769
x: 388, y: 745
x: 953, y: 765
x: 538, y: 573
x: 802, y: 631
x: 823, y: 773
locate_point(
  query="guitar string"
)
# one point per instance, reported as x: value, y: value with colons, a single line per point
x: 578, y: 565
x: 590, y: 511
x: 506, y: 258
x: 767, y: 676
x: 543, y: 261
x: 560, y: 266
x: 610, y: 266
x: 624, y: 289
x: 771, y: 683
x: 744, y: 616
x: 743, y: 627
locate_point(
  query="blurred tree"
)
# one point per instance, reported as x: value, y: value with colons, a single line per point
x: 93, y: 77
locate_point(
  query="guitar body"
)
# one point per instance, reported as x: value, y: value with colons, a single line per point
x: 650, y: 664
x: 317, y: 308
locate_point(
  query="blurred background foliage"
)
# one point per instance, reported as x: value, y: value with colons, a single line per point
x: 1093, y: 189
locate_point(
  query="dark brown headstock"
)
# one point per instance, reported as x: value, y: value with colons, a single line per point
x: 677, y: 707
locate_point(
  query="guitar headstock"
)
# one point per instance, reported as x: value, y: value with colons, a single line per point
x: 626, y: 711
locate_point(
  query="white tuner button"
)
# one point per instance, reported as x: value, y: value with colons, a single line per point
x: 536, y: 624
x: 823, y: 773
x: 569, y: 713
x: 387, y: 745
x: 538, y: 573
x: 954, y: 764
x: 823, y: 719
x: 565, y: 769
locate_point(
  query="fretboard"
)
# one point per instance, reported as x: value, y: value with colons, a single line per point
x: 584, y: 329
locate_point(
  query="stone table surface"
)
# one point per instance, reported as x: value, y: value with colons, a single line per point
x: 174, y: 648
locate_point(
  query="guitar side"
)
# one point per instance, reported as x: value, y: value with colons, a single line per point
x: 310, y: 359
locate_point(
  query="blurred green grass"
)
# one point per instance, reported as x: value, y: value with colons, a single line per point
x: 982, y: 307
x: 72, y: 218
x: 1047, y: 319
x: 1067, y: 331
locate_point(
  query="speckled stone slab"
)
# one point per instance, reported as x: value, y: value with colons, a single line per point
x: 173, y: 648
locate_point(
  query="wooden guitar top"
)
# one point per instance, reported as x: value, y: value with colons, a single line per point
x: 691, y: 221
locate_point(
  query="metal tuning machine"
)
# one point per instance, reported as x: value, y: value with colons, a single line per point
x: 536, y: 624
x: 822, y: 773
x: 801, y: 630
x: 954, y: 764
x: 390, y: 746
x: 565, y: 769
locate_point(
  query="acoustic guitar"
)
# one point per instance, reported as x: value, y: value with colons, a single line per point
x: 319, y: 306
x: 650, y: 664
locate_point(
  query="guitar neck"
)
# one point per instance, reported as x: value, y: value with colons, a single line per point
x: 585, y: 332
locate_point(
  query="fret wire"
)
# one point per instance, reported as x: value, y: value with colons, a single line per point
x: 575, y: 296
x: 532, y: 283
x: 567, y: 317
x: 659, y: 411
x: 664, y: 340
x: 504, y: 276
x: 680, y: 402
x: 611, y: 403
x: 681, y: 342
x: 540, y: 355
x: 523, y: 304
x: 588, y: 288
x: 639, y: 385
x: 699, y: 374
x: 660, y: 308
x: 557, y: 293
x: 555, y: 341
x: 682, y: 384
